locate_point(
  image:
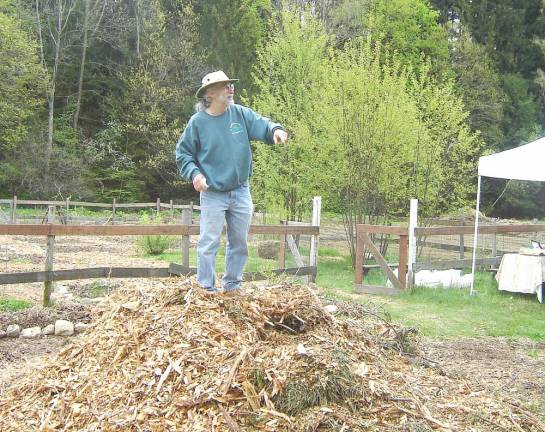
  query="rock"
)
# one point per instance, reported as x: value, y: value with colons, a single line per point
x: 13, y: 330
x: 64, y: 328
x: 2, y: 334
x: 91, y: 301
x: 268, y: 249
x: 301, y: 350
x: 80, y: 327
x: 332, y: 309
x: 31, y: 332
x: 61, y: 289
x: 48, y: 330
x: 56, y: 297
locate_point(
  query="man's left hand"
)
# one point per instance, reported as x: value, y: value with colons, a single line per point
x: 280, y: 136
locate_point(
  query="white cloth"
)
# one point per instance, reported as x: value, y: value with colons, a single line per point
x: 521, y: 273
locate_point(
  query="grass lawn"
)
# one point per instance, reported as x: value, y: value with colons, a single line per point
x: 437, y: 312
x: 442, y: 312
x: 9, y: 304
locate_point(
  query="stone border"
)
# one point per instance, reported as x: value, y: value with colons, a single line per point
x: 60, y: 328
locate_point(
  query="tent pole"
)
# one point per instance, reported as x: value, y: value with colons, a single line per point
x: 475, y: 235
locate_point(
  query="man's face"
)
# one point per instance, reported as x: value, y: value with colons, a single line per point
x: 222, y: 92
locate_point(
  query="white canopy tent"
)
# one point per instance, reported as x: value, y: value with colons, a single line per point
x: 526, y: 162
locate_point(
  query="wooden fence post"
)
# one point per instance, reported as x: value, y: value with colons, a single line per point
x: 49, y: 285
x: 187, y: 216
x: 359, y: 259
x: 158, y: 207
x: 402, y: 269
x: 67, y: 208
x: 494, y: 243
x: 13, y: 218
x: 462, y: 247
x: 172, y: 209
x: 113, y: 210
x: 282, y: 249
x: 313, y: 258
x: 413, y: 223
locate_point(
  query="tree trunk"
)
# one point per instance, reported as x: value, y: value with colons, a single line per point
x: 82, y: 66
x: 51, y: 92
x: 137, y: 16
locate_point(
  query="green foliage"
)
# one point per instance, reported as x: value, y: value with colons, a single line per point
x: 11, y: 304
x: 152, y: 244
x: 143, y: 61
x: 444, y: 168
x: 523, y: 199
x: 21, y: 82
x: 521, y: 121
x: 407, y: 27
x: 290, y: 76
x: 374, y: 132
x: 510, y: 38
x: 366, y: 132
x: 230, y: 32
x: 480, y: 86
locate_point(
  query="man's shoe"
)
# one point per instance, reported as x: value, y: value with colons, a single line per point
x: 209, y: 292
x: 234, y: 292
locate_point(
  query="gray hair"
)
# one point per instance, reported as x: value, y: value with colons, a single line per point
x: 203, y: 103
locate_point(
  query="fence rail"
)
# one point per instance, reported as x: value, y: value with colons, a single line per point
x: 114, y: 203
x: 286, y: 231
x: 136, y: 230
x: 14, y: 203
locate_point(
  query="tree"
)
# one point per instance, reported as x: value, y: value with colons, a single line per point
x: 367, y: 133
x: 397, y: 135
x: 146, y: 118
x: 289, y: 78
x: 480, y: 87
x: 408, y: 27
x: 92, y: 17
x: 22, y: 80
x: 230, y: 32
x: 56, y: 17
x: 512, y: 34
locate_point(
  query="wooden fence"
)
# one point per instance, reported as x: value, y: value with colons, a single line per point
x: 286, y: 231
x: 65, y: 205
x: 407, y: 266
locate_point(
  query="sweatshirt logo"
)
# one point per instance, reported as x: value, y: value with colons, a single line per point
x: 235, y: 128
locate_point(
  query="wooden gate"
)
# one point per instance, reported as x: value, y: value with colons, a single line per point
x: 364, y: 242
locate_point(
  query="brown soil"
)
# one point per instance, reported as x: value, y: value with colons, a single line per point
x: 513, y: 368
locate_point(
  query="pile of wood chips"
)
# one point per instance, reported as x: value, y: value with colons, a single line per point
x: 163, y: 356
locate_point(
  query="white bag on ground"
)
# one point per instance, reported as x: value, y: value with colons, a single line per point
x: 440, y: 278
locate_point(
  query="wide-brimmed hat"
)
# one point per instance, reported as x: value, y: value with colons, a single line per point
x: 211, y: 79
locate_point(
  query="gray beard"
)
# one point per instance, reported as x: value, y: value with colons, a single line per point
x: 226, y: 100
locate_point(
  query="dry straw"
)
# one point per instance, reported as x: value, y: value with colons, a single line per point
x: 163, y: 356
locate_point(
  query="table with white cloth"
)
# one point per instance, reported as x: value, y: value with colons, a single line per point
x: 522, y: 273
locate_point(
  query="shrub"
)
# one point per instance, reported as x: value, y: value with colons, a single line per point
x: 152, y: 244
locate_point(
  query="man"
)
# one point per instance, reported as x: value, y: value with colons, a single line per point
x: 214, y: 153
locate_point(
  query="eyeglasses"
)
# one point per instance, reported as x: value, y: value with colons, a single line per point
x: 228, y: 86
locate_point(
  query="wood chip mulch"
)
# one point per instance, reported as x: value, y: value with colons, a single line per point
x: 163, y: 356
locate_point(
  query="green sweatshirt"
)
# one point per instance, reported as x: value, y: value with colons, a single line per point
x: 219, y: 146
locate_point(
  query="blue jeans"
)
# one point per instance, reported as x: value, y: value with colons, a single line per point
x: 234, y: 207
